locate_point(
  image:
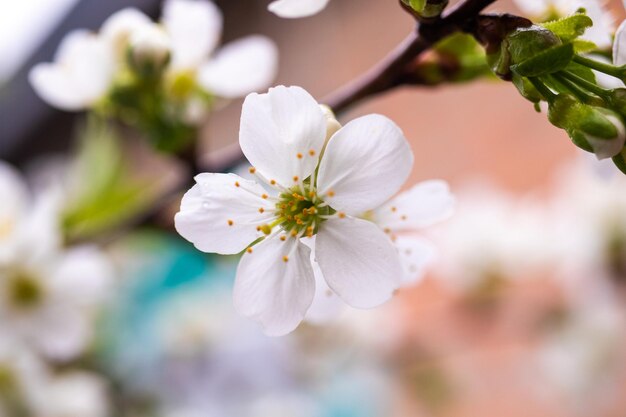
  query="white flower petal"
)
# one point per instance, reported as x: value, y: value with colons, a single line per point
x: 195, y: 27
x: 282, y: 133
x: 619, y: 46
x: 84, y: 277
x: 273, y: 292
x: 326, y: 304
x: 81, y: 74
x: 358, y: 261
x: 60, y: 331
x: 240, y: 67
x: 218, y: 216
x: 364, y: 164
x: 415, y: 254
x: 119, y: 27
x: 425, y: 204
x: 14, y: 199
x: 75, y: 394
x: 296, y: 8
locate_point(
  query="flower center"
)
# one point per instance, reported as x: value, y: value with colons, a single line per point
x: 24, y: 291
x: 300, y: 213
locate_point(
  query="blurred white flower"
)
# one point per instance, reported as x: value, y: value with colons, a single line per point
x: 28, y: 387
x: 81, y: 74
x: 46, y: 293
x: 87, y: 64
x: 603, y: 21
x: 296, y: 8
x: 494, y: 237
x: 72, y: 394
x: 582, y: 357
x: 283, y: 134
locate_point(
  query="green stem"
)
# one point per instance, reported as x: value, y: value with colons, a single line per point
x: 617, y: 72
x: 586, y: 84
x: 581, y: 94
x: 548, y: 94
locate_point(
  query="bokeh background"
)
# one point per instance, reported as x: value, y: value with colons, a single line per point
x: 522, y: 314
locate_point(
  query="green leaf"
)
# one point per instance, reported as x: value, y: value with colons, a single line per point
x: 549, y: 61
x: 569, y: 28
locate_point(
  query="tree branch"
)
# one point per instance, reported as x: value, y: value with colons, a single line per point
x: 388, y: 73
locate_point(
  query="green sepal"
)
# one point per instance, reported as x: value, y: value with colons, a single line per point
x: 526, y: 89
x: 548, y: 61
x: 580, y: 140
x: 617, y: 100
x: 620, y: 160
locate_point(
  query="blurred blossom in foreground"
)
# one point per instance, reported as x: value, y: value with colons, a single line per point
x: 162, y: 78
x: 179, y: 345
x: 316, y: 186
x: 49, y: 294
x: 29, y: 388
x: 494, y: 238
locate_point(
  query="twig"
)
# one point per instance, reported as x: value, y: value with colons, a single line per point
x: 388, y: 73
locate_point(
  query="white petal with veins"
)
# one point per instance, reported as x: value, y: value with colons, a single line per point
x: 358, y: 261
x: 275, y: 285
x: 364, y: 164
x: 221, y: 213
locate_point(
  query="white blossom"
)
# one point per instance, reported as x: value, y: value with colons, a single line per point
x: 283, y: 134
x: 80, y: 76
x: 47, y: 294
x: 297, y: 8
x: 87, y: 64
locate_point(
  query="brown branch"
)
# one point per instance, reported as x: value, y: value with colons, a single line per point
x: 388, y: 74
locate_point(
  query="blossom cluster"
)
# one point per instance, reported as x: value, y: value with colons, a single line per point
x: 162, y: 78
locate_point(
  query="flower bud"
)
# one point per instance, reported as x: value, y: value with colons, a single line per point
x: 149, y: 50
x: 617, y: 100
x: 594, y: 129
x: 525, y: 45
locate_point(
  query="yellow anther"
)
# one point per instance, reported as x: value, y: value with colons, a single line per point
x: 309, y: 230
x: 341, y: 215
x: 283, y: 238
x: 394, y: 209
x: 258, y: 228
x: 299, y: 155
x: 296, y: 178
x: 237, y: 184
x: 312, y: 152
x: 294, y: 233
x: 261, y: 210
x: 249, y: 250
x: 331, y: 193
x: 252, y: 170
x: 312, y: 194
x: 285, y: 258
x: 264, y: 196
x: 230, y: 222
x: 266, y: 229
x: 273, y: 182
